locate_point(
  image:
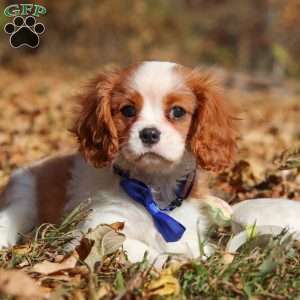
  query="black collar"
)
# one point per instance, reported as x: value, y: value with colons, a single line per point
x: 183, y: 188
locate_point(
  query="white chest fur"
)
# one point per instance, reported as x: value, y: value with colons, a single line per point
x: 111, y: 204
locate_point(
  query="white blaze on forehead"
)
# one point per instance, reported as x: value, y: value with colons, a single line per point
x: 155, y: 79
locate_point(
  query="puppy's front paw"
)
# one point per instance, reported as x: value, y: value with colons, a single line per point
x: 136, y: 250
x: 6, y: 239
x: 8, y: 234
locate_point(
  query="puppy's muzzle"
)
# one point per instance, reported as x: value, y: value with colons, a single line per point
x: 149, y: 136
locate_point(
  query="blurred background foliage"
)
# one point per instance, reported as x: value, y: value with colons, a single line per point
x: 250, y: 35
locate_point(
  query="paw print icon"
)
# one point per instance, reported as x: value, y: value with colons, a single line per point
x: 24, y: 32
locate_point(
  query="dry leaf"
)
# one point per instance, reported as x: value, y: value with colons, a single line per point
x: 47, y: 267
x: 78, y: 295
x: 22, y: 249
x: 61, y: 277
x: 118, y: 226
x: 106, y: 241
x: 18, y: 284
x: 165, y: 285
x: 218, y: 210
x: 84, y: 248
x: 103, y: 291
x: 228, y: 258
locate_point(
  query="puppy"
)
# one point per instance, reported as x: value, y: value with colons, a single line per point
x: 145, y: 134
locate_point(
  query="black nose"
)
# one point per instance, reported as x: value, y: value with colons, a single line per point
x: 150, y: 136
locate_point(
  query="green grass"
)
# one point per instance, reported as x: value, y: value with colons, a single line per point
x: 47, y: 241
x: 268, y: 272
x: 262, y: 269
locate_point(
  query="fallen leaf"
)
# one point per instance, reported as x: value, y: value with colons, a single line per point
x: 218, y: 210
x: 165, y: 285
x: 228, y: 258
x: 78, y: 295
x: 18, y: 284
x: 22, y: 249
x: 103, y: 291
x: 117, y: 226
x: 59, y: 258
x: 106, y: 241
x: 60, y: 277
x: 47, y: 267
x: 84, y: 248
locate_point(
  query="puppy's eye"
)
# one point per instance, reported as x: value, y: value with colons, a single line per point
x: 128, y: 111
x: 177, y: 112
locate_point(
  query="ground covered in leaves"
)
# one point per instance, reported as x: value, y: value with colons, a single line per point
x: 35, y: 109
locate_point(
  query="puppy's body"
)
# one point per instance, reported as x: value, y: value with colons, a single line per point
x: 71, y: 180
x: 157, y: 121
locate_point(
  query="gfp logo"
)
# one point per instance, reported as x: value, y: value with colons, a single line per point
x: 24, y: 30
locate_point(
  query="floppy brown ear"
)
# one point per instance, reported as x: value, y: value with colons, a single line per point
x: 212, y: 135
x: 93, y: 125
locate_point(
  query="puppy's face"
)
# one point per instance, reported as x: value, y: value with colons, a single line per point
x: 151, y: 114
x: 153, y: 110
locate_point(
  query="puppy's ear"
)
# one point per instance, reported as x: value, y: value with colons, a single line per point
x: 213, y: 135
x: 93, y: 126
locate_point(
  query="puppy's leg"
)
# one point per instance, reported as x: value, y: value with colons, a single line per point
x: 136, y: 249
x: 192, y: 216
x: 18, y: 213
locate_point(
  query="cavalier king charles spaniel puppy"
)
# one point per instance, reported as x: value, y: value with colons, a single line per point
x: 146, y: 134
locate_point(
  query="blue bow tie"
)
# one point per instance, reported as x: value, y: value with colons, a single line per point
x: 169, y: 228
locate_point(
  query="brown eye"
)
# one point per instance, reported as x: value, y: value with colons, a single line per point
x: 177, y: 112
x: 128, y: 111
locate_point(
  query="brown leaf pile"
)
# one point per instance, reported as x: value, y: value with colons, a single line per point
x: 268, y: 160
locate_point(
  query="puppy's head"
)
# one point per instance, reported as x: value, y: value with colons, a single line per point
x: 151, y: 114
